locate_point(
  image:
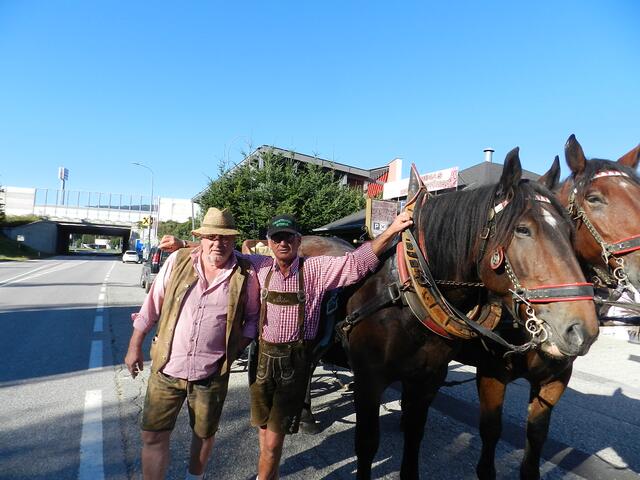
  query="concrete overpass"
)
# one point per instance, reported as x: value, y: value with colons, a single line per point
x: 78, y: 212
x: 52, y: 236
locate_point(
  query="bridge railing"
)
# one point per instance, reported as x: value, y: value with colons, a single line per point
x: 101, y: 206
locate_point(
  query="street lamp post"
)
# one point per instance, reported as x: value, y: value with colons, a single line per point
x: 151, y: 202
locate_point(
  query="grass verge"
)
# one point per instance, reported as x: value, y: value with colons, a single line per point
x: 10, y: 250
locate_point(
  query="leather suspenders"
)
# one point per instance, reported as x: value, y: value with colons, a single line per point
x: 284, y: 298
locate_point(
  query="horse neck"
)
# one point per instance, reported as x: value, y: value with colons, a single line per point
x: 450, y: 242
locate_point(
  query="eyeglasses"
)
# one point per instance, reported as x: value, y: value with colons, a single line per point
x: 283, y: 237
x: 218, y: 238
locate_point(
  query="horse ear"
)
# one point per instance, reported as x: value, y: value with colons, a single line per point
x: 511, y: 173
x: 552, y: 176
x: 574, y: 155
x: 631, y: 158
x: 415, y: 182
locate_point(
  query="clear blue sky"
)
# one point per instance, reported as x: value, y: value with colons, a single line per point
x: 179, y: 86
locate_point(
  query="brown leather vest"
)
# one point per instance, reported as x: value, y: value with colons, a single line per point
x: 183, y: 277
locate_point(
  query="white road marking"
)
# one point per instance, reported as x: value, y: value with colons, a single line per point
x: 91, y: 442
x: 32, y: 274
x: 95, y: 356
x: 97, y: 324
x: 28, y: 273
x: 91, y: 457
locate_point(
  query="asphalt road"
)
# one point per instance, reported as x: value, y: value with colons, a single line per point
x: 70, y: 409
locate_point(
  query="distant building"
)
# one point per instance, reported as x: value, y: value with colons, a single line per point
x: 177, y: 209
x: 351, y: 227
x: 366, y: 179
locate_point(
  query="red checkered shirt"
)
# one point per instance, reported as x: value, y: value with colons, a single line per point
x: 321, y: 274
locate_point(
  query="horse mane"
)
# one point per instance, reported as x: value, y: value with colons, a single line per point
x: 451, y: 225
x: 596, y: 165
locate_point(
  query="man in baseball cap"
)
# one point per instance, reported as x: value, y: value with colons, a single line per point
x: 283, y: 223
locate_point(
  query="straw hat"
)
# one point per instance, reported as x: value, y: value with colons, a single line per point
x: 217, y: 222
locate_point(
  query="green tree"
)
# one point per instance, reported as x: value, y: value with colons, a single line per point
x: 255, y: 194
x: 2, y: 214
x: 170, y: 227
x: 88, y: 238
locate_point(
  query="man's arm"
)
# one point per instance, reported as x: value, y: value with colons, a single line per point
x: 382, y: 241
x: 169, y: 243
x: 148, y: 316
x: 134, y: 360
x: 251, y: 311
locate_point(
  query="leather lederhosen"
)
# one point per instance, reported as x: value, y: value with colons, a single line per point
x: 282, y: 370
x: 297, y: 349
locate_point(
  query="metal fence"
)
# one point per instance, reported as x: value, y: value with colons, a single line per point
x: 80, y: 205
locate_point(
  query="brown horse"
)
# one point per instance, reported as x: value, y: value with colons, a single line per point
x: 496, y: 245
x: 603, y: 198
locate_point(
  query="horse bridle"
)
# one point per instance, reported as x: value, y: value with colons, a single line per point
x: 610, y: 251
x: 520, y: 295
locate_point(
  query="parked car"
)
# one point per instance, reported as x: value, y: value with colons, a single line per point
x: 151, y: 267
x: 130, y: 256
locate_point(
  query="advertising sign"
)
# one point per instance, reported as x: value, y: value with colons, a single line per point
x: 379, y: 215
x: 439, y: 180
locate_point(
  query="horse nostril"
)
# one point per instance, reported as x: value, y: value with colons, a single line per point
x: 575, y: 337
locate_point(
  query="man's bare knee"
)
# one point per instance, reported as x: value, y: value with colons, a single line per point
x: 272, y: 443
x: 155, y: 439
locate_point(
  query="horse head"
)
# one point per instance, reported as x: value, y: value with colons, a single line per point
x: 603, y: 197
x: 527, y: 259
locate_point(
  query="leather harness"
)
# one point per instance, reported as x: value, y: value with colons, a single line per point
x: 417, y: 289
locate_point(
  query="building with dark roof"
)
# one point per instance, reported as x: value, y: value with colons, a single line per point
x: 352, y: 227
x: 348, y: 175
x: 486, y: 173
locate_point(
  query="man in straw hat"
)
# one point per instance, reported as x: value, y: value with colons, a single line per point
x: 292, y: 289
x: 205, y: 302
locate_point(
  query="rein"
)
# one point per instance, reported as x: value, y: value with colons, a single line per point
x: 519, y: 294
x: 478, y: 329
x: 631, y: 306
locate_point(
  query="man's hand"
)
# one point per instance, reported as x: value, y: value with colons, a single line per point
x: 382, y: 241
x: 169, y: 243
x: 134, y: 360
x: 400, y: 223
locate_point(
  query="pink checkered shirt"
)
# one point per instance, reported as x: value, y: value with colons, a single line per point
x: 320, y: 274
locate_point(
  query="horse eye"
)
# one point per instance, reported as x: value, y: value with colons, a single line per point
x: 593, y: 199
x: 523, y: 231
